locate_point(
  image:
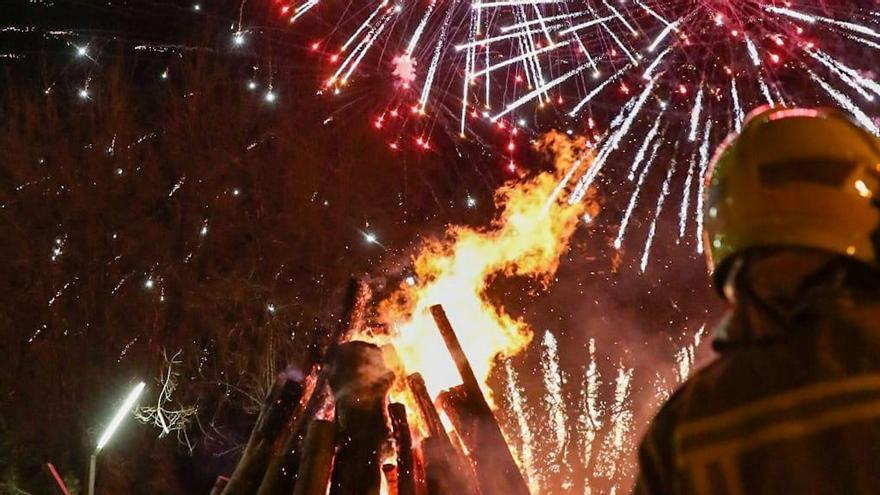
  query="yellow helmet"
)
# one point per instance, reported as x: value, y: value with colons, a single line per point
x: 794, y: 177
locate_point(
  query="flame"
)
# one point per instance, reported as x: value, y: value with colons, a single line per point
x: 527, y: 238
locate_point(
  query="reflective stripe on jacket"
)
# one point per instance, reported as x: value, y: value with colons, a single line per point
x: 799, y: 414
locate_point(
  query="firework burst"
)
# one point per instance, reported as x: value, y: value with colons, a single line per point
x: 634, y: 75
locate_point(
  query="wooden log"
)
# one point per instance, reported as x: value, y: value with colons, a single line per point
x: 317, y: 458
x: 277, y: 408
x: 389, y: 471
x: 455, y: 403
x: 496, y: 470
x: 219, y: 484
x: 406, y: 482
x: 360, y: 382
x: 419, y: 471
x: 280, y: 475
x: 445, y: 470
x: 428, y: 412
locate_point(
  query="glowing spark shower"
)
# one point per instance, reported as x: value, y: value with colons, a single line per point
x: 524, y: 64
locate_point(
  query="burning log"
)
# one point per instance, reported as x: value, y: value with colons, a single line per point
x: 426, y: 406
x: 454, y: 402
x: 360, y: 382
x: 277, y: 409
x: 419, y: 472
x: 391, y: 479
x: 496, y: 470
x: 446, y: 471
x: 317, y: 459
x: 406, y: 481
x: 284, y: 465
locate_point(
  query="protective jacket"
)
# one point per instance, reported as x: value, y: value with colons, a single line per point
x: 791, y: 406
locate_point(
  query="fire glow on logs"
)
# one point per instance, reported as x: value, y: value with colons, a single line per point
x: 386, y: 410
x: 368, y: 447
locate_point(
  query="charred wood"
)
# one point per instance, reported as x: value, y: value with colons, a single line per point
x: 496, y: 470
x: 280, y: 476
x: 406, y: 482
x: 317, y: 459
x: 360, y: 382
x: 277, y: 408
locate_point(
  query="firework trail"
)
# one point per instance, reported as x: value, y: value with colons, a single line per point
x: 658, y: 64
x: 590, y: 419
x: 553, y: 386
x: 619, y: 440
x: 686, y: 355
x: 553, y: 383
x: 661, y: 200
x: 517, y: 400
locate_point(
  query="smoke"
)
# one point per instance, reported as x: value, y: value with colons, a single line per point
x: 292, y: 372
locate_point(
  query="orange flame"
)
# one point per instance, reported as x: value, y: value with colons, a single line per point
x: 527, y: 238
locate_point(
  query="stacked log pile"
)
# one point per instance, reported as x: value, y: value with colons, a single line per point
x: 339, y: 435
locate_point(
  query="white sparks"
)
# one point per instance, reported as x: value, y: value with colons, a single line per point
x: 695, y: 116
x: 845, y: 102
x: 592, y: 94
x: 590, y: 418
x: 553, y: 383
x: 704, y: 162
x: 739, y: 115
x: 686, y: 199
x: 634, y: 197
x: 523, y: 419
x: 661, y: 200
x: 613, y: 142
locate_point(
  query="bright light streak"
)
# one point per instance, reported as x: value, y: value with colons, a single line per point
x: 553, y: 380
x: 523, y: 420
x: 704, y: 163
x: 634, y: 197
x: 738, y: 114
x: 686, y: 199
x: 592, y: 94
x: 622, y: 19
x: 845, y: 102
x: 120, y: 415
x: 753, y: 52
x: 511, y: 3
x: 518, y: 58
x: 631, y: 113
x: 661, y: 200
x: 584, y: 25
x: 695, y: 116
x: 438, y: 51
x: 532, y: 22
x: 649, y: 72
x: 663, y: 34
x: 541, y: 89
x: 643, y: 150
x: 421, y: 27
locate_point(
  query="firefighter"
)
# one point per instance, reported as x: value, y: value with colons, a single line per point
x: 792, y: 403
